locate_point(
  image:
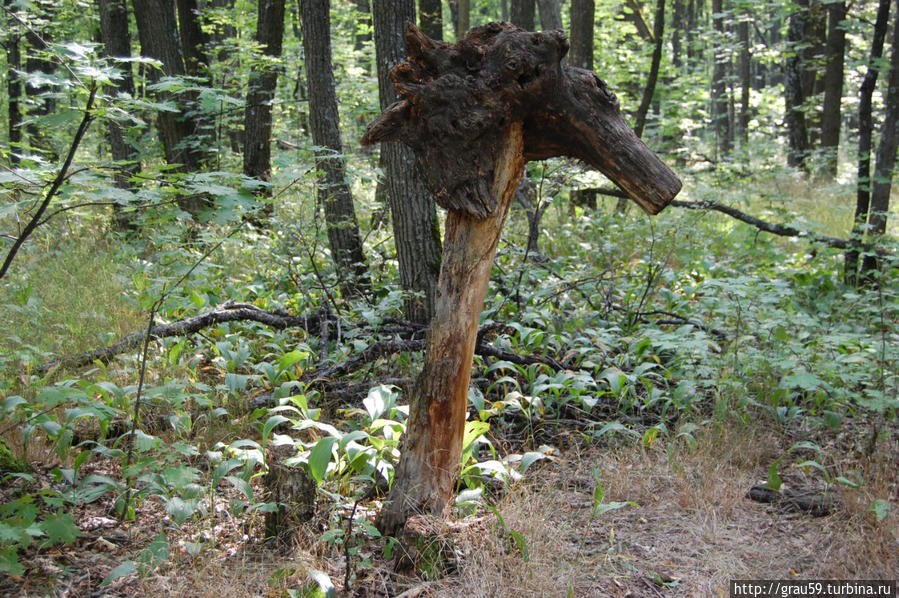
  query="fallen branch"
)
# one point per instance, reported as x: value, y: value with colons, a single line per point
x: 229, y: 311
x: 780, y: 230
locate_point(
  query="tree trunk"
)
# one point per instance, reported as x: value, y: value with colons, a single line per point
x: 363, y: 36
x: 522, y: 13
x: 432, y: 444
x: 430, y: 18
x: 649, y: 90
x: 583, y: 13
x: 797, y: 129
x: 719, y: 82
x: 886, y: 151
x: 333, y: 190
x: 679, y: 23
x: 833, y: 88
x: 13, y: 85
x: 416, y: 231
x: 550, y: 14
x: 471, y: 141
x: 41, y: 99
x: 634, y: 14
x: 158, y: 32
x: 865, y: 127
x: 261, y: 92
x: 464, y: 21
x: 116, y: 38
x: 812, y: 56
x: 193, y: 40
x: 745, y: 76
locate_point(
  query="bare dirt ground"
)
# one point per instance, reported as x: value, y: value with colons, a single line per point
x: 691, y: 530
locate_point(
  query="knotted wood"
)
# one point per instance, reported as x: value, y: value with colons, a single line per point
x: 474, y: 113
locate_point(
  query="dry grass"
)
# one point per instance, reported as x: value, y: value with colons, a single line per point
x: 692, y: 531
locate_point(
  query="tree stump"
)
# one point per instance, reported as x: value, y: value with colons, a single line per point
x: 474, y: 113
x: 294, y: 492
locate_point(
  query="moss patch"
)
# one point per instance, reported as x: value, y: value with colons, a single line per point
x: 8, y: 460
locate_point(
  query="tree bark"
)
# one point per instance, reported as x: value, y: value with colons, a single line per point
x: 13, y: 85
x: 833, y: 88
x: 745, y: 65
x: 430, y: 18
x: 649, y: 90
x: 432, y: 444
x: 193, y: 40
x: 719, y: 82
x: 797, y: 128
x: 634, y: 14
x: 416, y: 231
x: 333, y: 190
x: 471, y: 140
x: 464, y: 21
x: 261, y: 92
x: 522, y: 13
x: 158, y: 32
x: 41, y: 100
x: 865, y: 128
x: 550, y: 14
x: 116, y: 38
x: 583, y: 14
x: 886, y: 151
x: 678, y: 23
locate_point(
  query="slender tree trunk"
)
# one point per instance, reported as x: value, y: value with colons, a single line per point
x: 865, y: 127
x: 719, y: 82
x: 464, y: 22
x: 193, y: 40
x: 521, y: 13
x: 550, y: 14
x: 13, y: 85
x: 649, y: 90
x: 261, y: 92
x: 745, y: 75
x: 886, y: 151
x: 797, y: 128
x: 363, y: 36
x: 831, y: 120
x: 333, y: 191
x: 633, y: 12
x: 416, y: 231
x: 116, y: 38
x: 583, y: 13
x: 812, y: 57
x: 430, y: 18
x: 679, y: 22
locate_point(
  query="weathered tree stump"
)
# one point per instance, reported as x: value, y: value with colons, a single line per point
x: 294, y: 492
x: 474, y: 113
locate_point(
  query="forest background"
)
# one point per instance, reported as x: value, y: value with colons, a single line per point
x: 207, y: 280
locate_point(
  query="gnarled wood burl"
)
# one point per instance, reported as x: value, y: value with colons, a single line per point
x: 474, y: 113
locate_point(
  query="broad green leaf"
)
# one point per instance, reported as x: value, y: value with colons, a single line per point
x: 324, y: 583
x: 60, y: 529
x: 774, y: 481
x: 9, y: 561
x: 319, y: 457
x: 292, y: 358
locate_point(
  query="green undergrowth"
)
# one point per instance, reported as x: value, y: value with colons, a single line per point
x: 662, y: 326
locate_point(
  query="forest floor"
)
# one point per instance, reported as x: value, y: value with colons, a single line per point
x: 687, y: 527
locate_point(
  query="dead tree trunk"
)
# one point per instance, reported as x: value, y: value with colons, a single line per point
x: 474, y: 113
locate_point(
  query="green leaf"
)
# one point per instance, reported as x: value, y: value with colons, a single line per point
x: 270, y: 425
x: 60, y: 529
x: 10, y: 403
x: 156, y: 553
x: 319, y: 457
x: 9, y: 561
x: 290, y: 359
x: 774, y: 481
x: 881, y: 508
x: 650, y: 436
x: 242, y: 485
x: 529, y: 459
x: 126, y: 568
